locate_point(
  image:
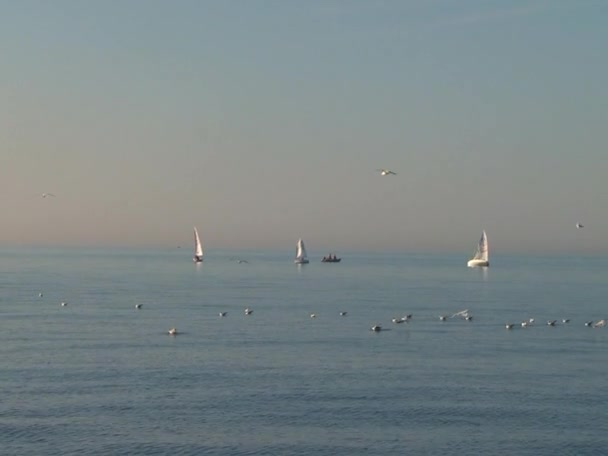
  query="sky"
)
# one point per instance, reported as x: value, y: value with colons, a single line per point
x: 263, y: 121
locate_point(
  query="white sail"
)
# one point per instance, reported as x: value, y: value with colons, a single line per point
x: 481, y: 257
x: 301, y: 256
x: 482, y: 248
x: 198, y: 248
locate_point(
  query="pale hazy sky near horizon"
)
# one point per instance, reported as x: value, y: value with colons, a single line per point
x: 264, y: 121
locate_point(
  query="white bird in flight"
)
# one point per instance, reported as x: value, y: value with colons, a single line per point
x: 463, y: 313
x: 386, y: 172
x: 579, y: 225
x: 44, y: 195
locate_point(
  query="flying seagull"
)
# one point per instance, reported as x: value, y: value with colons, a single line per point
x: 463, y: 313
x: 386, y: 172
x: 44, y: 195
x: 579, y: 225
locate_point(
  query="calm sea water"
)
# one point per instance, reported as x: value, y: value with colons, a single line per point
x: 100, y: 377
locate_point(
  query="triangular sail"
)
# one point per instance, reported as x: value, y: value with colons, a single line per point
x: 198, y: 247
x: 482, y: 248
x: 301, y: 251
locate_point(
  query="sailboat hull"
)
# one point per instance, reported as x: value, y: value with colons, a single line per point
x: 197, y: 259
x: 478, y: 263
x: 301, y: 261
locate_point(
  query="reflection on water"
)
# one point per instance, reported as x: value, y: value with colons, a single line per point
x: 484, y: 272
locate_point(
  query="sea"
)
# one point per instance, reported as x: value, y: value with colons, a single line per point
x: 98, y: 376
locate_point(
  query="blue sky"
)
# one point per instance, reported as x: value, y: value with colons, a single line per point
x: 264, y: 121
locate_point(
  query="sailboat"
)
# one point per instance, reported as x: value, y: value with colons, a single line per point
x: 198, y: 248
x: 481, y: 255
x: 301, y: 257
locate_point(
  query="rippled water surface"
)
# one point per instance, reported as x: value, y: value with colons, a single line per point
x: 101, y: 377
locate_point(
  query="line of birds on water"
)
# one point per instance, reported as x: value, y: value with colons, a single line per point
x: 530, y: 322
x: 463, y: 314
x: 466, y: 315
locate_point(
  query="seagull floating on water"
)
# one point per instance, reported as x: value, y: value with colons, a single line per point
x: 399, y: 320
x: 223, y: 314
x: 63, y: 304
x: 313, y: 315
x: 589, y: 323
x: 138, y: 306
x: 343, y: 314
x: 376, y: 328
x: 551, y: 322
x: 509, y: 326
x: 579, y: 225
x: 248, y: 311
x: 443, y: 317
x: 172, y: 332
x: 386, y: 172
